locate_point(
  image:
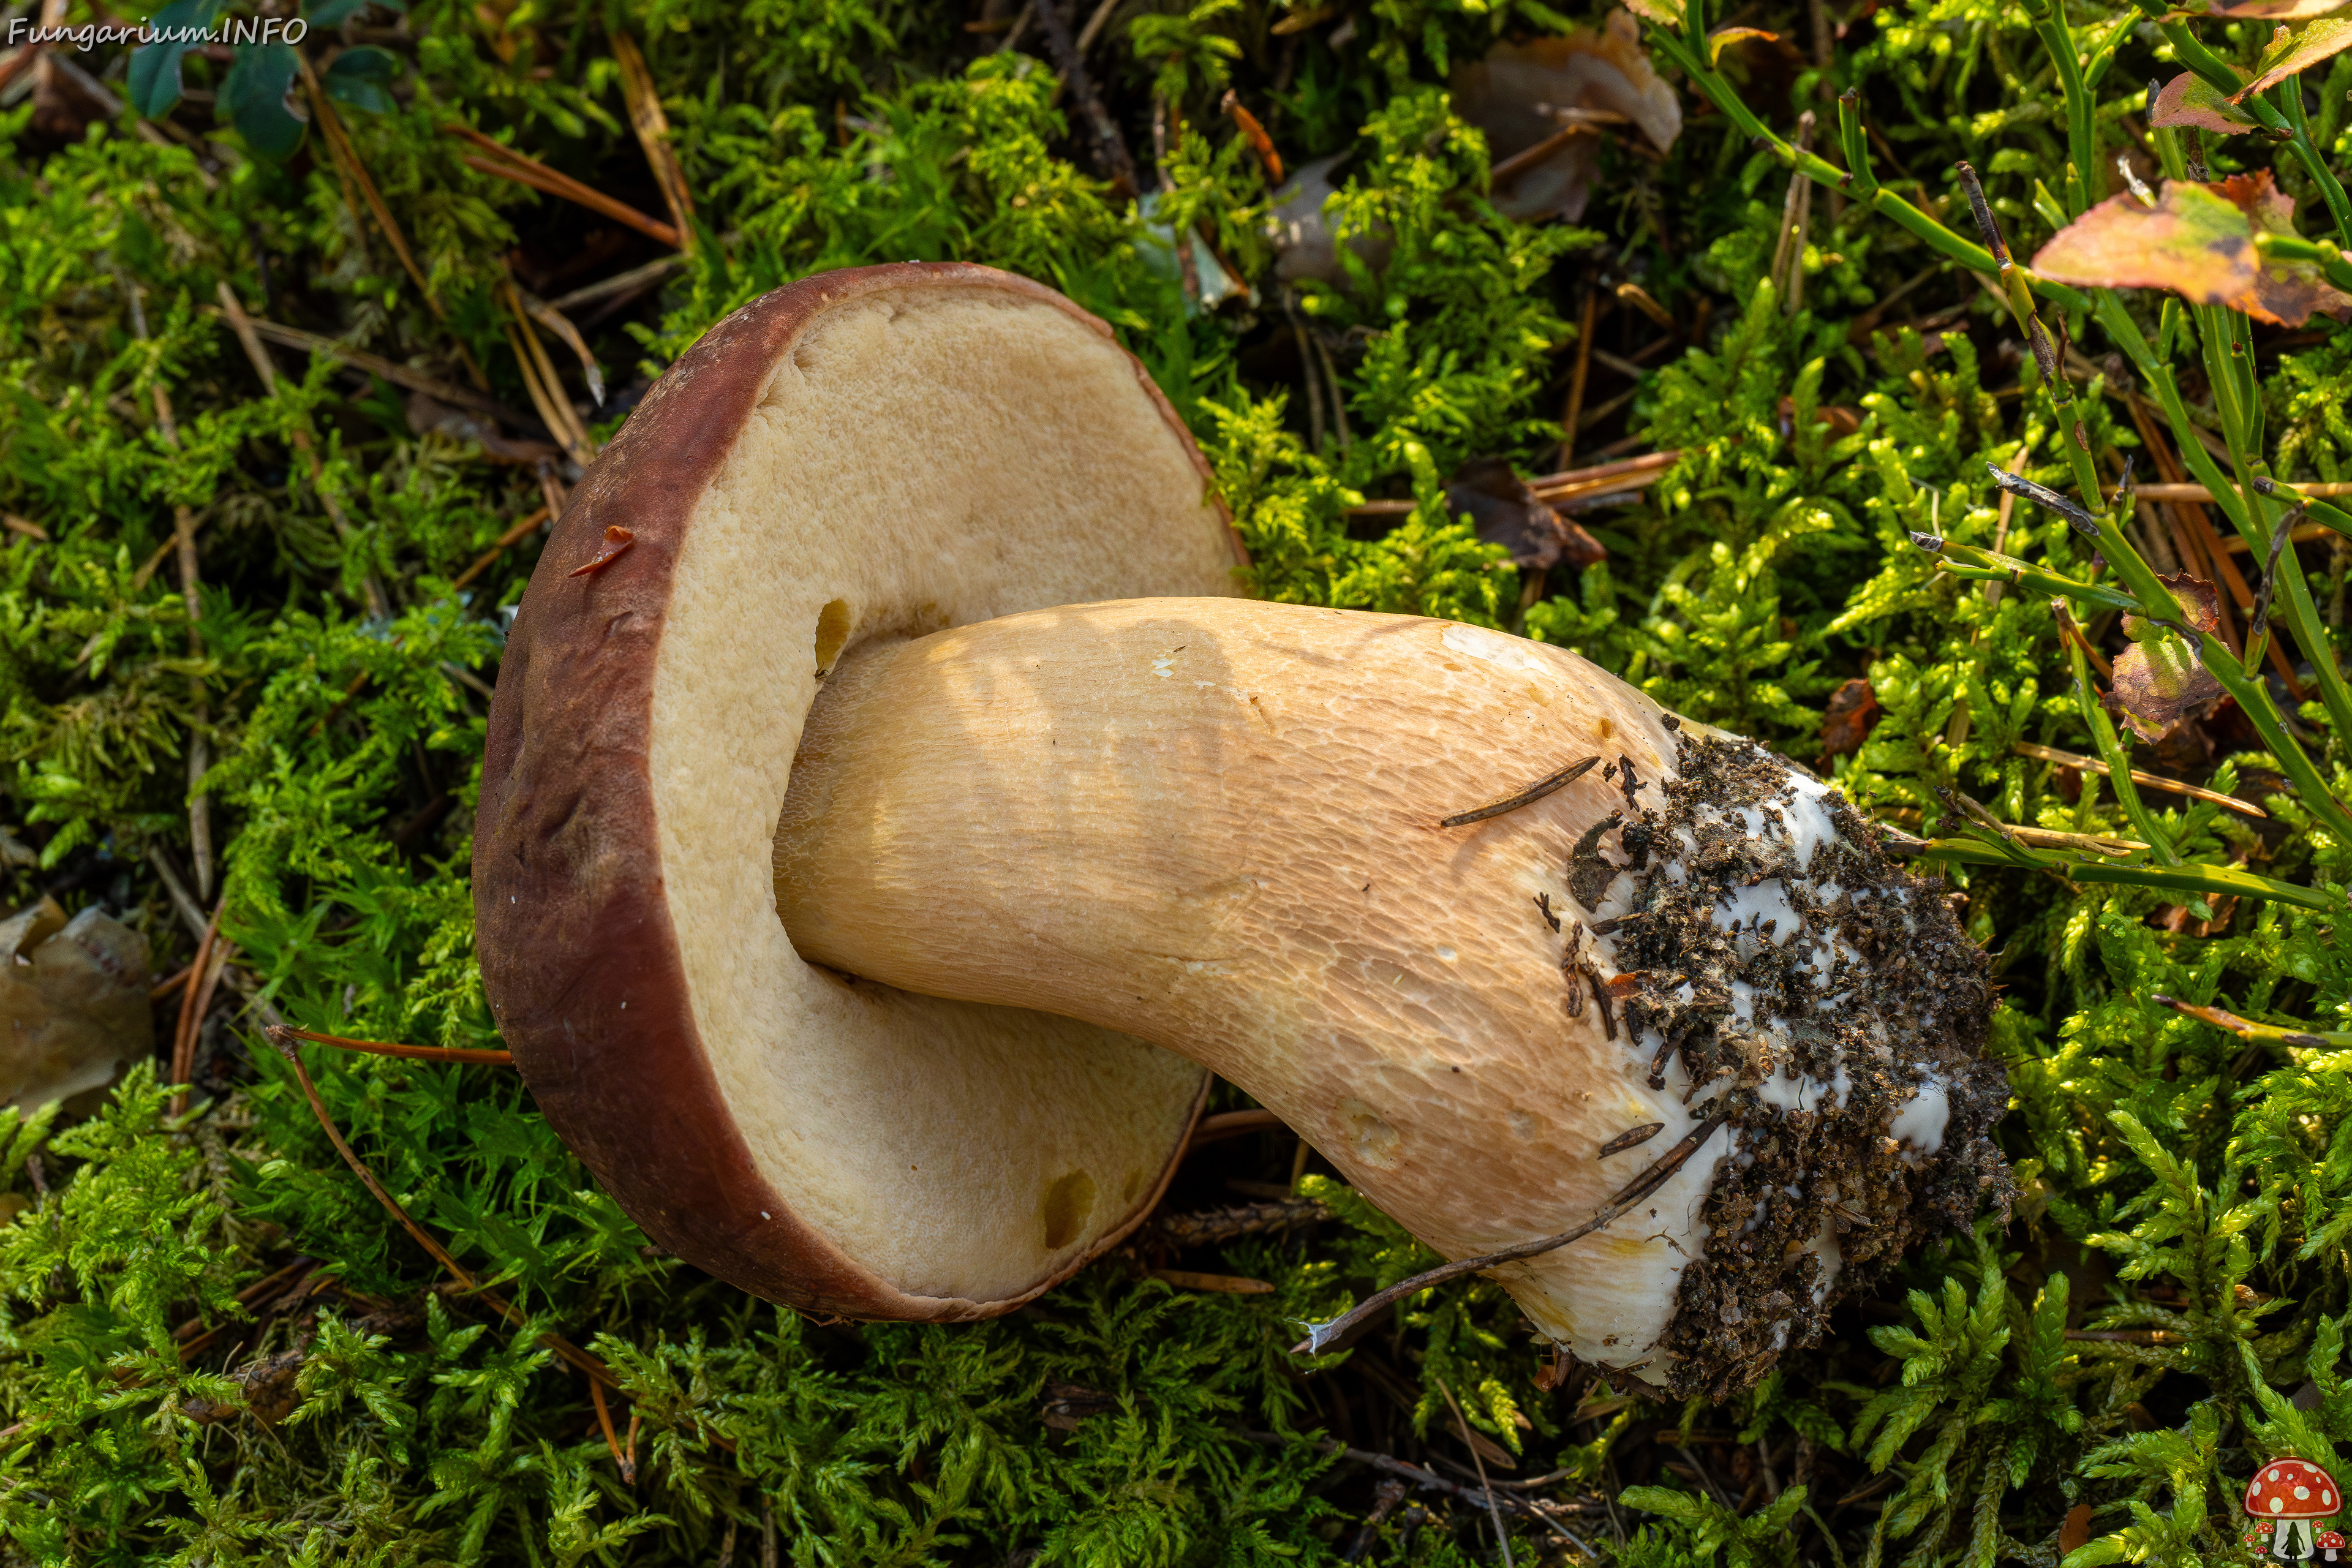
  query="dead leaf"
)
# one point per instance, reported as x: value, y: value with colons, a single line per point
x: 2188, y: 99
x: 2291, y: 53
x: 271, y: 1392
x: 2075, y: 1532
x: 2158, y: 680
x: 2198, y: 241
x: 1506, y: 95
x: 1664, y: 13
x: 1505, y: 512
x: 1846, y: 721
x: 1307, y: 249
x: 73, y: 1003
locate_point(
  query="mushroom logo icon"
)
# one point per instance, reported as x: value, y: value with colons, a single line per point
x: 2291, y: 1496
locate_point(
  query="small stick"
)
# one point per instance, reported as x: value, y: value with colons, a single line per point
x: 612, y: 1438
x: 1657, y: 1078
x: 1427, y: 1481
x: 629, y: 1453
x: 483, y: 563
x: 1572, y: 416
x: 1493, y: 1511
x: 1632, y: 1137
x: 1642, y: 1186
x: 2246, y: 1028
x: 1110, y: 147
x: 2153, y: 781
x: 509, y: 163
x: 579, y: 1360
x: 183, y: 1037
x: 652, y: 126
x: 1527, y: 796
x: 384, y: 1048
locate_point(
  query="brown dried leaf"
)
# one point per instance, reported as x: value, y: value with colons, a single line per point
x: 73, y: 1003
x: 2158, y: 680
x: 1845, y: 722
x: 1505, y: 512
x: 1584, y: 69
x: 2188, y: 100
x: 2196, y: 241
x: 2291, y: 53
x: 2274, y: 10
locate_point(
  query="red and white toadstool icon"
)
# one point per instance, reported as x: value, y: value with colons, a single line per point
x: 2331, y: 1546
x: 2290, y: 1494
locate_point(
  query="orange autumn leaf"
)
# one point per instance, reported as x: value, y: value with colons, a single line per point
x: 2291, y: 53
x: 2198, y: 242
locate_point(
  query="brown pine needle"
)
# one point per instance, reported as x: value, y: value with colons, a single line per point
x: 183, y: 1037
x: 504, y: 543
x: 386, y: 1048
x: 588, y: 1365
x: 1640, y: 1187
x: 1527, y: 796
x: 508, y: 163
x: 612, y: 1438
x: 1493, y: 1510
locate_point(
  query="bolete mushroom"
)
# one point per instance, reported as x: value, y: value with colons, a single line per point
x: 882, y: 993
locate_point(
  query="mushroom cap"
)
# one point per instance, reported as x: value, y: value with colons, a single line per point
x: 884, y: 451
x: 2331, y: 1540
x: 2292, y: 1488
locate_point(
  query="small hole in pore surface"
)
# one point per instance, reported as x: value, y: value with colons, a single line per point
x: 832, y: 631
x: 1067, y: 1204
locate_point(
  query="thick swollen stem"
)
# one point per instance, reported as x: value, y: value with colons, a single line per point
x: 1219, y: 824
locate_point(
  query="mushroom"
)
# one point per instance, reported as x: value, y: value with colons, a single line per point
x: 883, y: 993
x: 2330, y: 1546
x: 2289, y: 1494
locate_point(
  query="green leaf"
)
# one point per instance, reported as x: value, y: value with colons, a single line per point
x: 256, y: 99
x: 363, y: 78
x: 154, y: 74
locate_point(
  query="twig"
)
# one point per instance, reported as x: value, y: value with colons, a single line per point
x: 579, y: 1360
x: 1527, y: 158
x: 1572, y: 415
x: 192, y: 914
x: 398, y: 374
x: 504, y: 543
x: 620, y: 283
x: 1233, y: 1124
x: 612, y: 1438
x: 1227, y: 1284
x: 2153, y: 781
x: 1110, y: 147
x: 1494, y: 1510
x: 2246, y: 1029
x: 652, y: 126
x: 1642, y: 1186
x: 386, y: 1048
x: 1427, y: 1481
x: 183, y: 1037
x: 508, y: 163
x: 249, y: 339
x: 1527, y: 796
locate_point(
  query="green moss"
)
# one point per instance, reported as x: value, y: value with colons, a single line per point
x: 2186, y: 1195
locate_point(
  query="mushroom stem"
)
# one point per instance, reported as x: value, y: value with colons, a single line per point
x: 1213, y: 824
